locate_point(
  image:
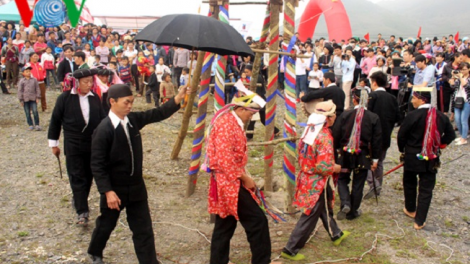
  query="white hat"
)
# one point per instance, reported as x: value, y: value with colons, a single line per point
x: 250, y: 99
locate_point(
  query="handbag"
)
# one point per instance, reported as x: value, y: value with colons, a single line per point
x: 48, y: 65
x: 459, y: 99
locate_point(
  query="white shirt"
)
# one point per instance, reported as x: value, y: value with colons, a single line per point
x: 380, y: 89
x: 131, y: 54
x: 301, y: 67
x: 315, y: 83
x: 160, y: 70
x: 46, y: 57
x: 84, y: 106
x: 424, y: 106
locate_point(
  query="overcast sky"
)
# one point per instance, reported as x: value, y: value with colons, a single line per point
x: 248, y: 13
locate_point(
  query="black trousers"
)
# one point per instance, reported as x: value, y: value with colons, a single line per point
x: 155, y: 94
x: 307, y: 223
x: 262, y: 115
x: 422, y: 190
x: 178, y: 71
x: 140, y: 223
x: 256, y: 227
x: 80, y: 178
x: 357, y: 75
x: 352, y: 199
x: 135, y: 75
x: 446, y: 95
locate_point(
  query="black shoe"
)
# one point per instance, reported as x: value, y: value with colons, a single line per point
x: 96, y: 259
x: 342, y: 214
x: 371, y: 193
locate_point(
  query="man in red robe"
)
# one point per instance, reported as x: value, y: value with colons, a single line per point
x: 315, y: 188
x: 231, y: 192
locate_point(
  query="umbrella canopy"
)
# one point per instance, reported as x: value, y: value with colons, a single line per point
x: 195, y: 31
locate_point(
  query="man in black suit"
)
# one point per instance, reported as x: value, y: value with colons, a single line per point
x: 116, y: 164
x: 78, y: 111
x: 66, y: 65
x: 357, y: 137
x: 330, y: 92
x: 420, y: 157
x: 385, y: 105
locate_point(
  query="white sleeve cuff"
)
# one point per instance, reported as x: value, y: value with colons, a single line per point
x: 53, y: 143
x: 375, y: 160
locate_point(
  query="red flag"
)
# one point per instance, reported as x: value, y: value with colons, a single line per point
x: 367, y: 37
x: 456, y: 38
x: 419, y: 32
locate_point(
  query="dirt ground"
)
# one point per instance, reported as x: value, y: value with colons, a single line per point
x: 37, y: 223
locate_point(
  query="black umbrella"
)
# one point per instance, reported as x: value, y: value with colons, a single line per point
x: 195, y: 32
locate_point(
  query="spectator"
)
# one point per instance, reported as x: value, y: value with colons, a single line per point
x: 11, y: 55
x: 18, y: 42
x: 40, y: 46
x: 460, y: 101
x: 39, y: 73
x: 33, y: 36
x: 125, y: 71
x: 116, y: 47
x: 180, y: 61
x: 48, y: 62
x: 153, y: 88
x: 66, y: 65
x: 52, y: 43
x: 315, y: 77
x: 103, y: 52
x: 348, y: 64
x: 167, y: 89
x: 29, y: 95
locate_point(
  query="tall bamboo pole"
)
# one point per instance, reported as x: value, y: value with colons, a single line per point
x: 261, y: 46
x: 291, y: 112
x: 271, y: 95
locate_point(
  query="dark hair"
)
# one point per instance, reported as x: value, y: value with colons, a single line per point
x: 466, y: 52
x: 337, y: 47
x: 80, y: 54
x: 51, y: 33
x: 124, y: 58
x: 440, y: 54
x: 409, y: 51
x: 380, y: 78
x: 27, y: 41
x: 464, y: 64
x: 186, y: 69
x: 151, y: 66
x: 18, y: 33
x: 68, y: 48
x: 40, y: 35
x: 97, y: 57
x: 165, y: 75
x: 420, y: 58
x: 113, y: 63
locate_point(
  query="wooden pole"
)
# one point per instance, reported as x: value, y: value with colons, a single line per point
x: 199, y: 130
x: 271, y: 95
x: 188, y: 112
x: 271, y: 142
x: 290, y: 115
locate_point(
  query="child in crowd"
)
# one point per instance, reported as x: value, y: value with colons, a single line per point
x: 315, y: 76
x: 47, y: 62
x: 97, y: 61
x: 112, y: 65
x: 364, y: 84
x: 58, y: 51
x: 184, y: 79
x: 125, y: 71
x: 167, y: 89
x: 153, y: 87
x: 29, y: 95
x: 91, y: 60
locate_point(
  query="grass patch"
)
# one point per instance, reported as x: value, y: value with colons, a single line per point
x: 465, y: 218
x: 39, y: 175
x: 23, y: 233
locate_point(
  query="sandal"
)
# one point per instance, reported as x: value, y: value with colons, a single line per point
x: 82, y: 220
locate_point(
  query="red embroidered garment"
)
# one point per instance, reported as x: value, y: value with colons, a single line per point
x: 227, y: 153
x: 316, y: 166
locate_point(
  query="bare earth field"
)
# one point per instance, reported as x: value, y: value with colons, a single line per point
x: 37, y: 223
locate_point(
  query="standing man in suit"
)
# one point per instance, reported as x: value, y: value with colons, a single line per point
x: 117, y: 159
x: 421, y: 157
x: 78, y: 111
x: 385, y: 105
x: 357, y: 137
x: 66, y: 65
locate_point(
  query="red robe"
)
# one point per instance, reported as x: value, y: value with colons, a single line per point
x: 316, y: 166
x: 228, y: 156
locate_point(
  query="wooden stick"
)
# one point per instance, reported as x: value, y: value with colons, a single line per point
x: 189, y: 109
x: 280, y: 53
x: 271, y: 89
x: 272, y: 142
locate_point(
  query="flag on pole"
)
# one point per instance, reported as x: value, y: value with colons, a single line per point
x: 419, y: 32
x: 367, y: 37
x: 456, y: 37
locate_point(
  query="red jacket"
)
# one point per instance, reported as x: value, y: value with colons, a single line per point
x: 38, y: 71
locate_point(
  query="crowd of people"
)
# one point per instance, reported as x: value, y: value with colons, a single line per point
x: 354, y: 94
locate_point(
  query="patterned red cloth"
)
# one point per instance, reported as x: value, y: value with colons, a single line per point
x: 316, y: 166
x: 227, y: 153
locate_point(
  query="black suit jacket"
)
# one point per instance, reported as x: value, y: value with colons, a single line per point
x: 328, y: 93
x: 370, y: 140
x: 64, y: 68
x: 116, y: 165
x: 385, y: 105
x: 67, y: 114
x: 410, y: 138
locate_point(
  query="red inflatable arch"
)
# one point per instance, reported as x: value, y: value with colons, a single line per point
x: 336, y: 17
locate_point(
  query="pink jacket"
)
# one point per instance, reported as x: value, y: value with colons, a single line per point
x: 367, y: 64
